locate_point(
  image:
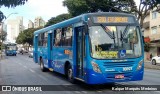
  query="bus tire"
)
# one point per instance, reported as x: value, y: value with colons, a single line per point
x: 70, y: 74
x: 43, y: 69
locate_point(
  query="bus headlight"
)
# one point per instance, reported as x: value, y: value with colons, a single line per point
x: 140, y: 65
x: 95, y: 67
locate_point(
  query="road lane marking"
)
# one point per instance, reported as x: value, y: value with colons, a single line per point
x: 99, y: 91
x: 84, y: 91
x: 32, y: 70
x: 43, y: 77
x: 66, y: 84
x: 20, y: 63
x: 77, y: 92
x: 25, y: 67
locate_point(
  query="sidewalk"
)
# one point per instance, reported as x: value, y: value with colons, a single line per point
x: 2, y: 56
x: 149, y: 65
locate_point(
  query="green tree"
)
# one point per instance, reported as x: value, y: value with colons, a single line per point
x: 144, y: 9
x: 147, y: 46
x: 20, y: 38
x: 77, y: 7
x: 12, y: 3
x: 57, y: 19
x: 26, y: 36
x: 2, y: 37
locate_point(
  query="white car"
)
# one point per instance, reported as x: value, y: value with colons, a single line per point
x: 31, y: 54
x: 155, y: 60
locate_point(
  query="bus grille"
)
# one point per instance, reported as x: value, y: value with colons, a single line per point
x: 118, y: 64
x: 111, y: 74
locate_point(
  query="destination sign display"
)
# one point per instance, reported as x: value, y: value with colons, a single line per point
x: 116, y: 19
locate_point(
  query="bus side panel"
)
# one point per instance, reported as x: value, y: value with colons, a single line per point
x: 59, y: 59
x: 45, y: 56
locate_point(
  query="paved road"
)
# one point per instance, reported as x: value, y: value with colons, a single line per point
x: 21, y: 70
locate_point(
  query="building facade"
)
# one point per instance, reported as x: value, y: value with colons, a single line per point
x: 38, y: 22
x: 30, y: 24
x: 152, y: 33
x: 14, y: 27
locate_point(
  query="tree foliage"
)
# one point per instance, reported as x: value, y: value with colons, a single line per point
x: 147, y: 47
x: 3, y: 35
x: 144, y: 9
x: 57, y: 19
x: 26, y: 36
x: 9, y: 4
x: 12, y: 3
x: 77, y: 7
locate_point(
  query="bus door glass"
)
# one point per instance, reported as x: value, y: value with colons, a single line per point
x: 50, y: 46
x: 36, y: 49
x: 80, y: 47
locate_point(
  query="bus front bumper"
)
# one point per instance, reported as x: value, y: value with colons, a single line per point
x: 99, y: 78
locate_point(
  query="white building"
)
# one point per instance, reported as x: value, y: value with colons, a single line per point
x: 30, y: 24
x: 14, y: 27
x: 38, y: 22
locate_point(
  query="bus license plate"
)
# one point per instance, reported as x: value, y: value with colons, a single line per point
x: 120, y: 76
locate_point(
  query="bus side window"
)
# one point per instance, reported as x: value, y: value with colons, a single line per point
x: 54, y: 36
x: 68, y: 38
x: 58, y: 37
x: 63, y: 37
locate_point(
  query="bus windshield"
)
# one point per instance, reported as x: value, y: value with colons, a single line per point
x: 11, y: 47
x: 115, y: 42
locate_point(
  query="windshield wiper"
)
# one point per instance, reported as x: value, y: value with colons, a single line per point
x: 125, y: 31
x: 112, y: 36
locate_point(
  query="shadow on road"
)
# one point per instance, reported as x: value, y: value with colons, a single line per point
x: 79, y: 85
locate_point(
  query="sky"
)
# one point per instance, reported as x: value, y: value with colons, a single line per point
x: 34, y: 8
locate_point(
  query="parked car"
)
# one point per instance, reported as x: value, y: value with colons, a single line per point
x: 155, y: 60
x: 31, y: 54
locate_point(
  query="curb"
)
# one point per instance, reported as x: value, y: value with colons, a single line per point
x: 148, y: 65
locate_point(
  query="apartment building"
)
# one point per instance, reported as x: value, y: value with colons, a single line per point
x: 152, y: 32
x: 38, y: 22
x: 14, y: 27
x: 30, y: 24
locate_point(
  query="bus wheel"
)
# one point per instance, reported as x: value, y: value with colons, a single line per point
x: 70, y: 74
x: 42, y: 66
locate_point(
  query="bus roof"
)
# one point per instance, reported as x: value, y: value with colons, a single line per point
x: 78, y: 19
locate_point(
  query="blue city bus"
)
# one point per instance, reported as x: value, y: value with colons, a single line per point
x: 95, y: 48
x: 11, y: 49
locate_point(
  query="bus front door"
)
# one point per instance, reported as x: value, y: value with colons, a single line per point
x: 80, y: 35
x: 35, y: 49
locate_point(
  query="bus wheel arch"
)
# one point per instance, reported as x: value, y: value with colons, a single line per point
x: 42, y: 64
x: 69, y: 72
x: 67, y: 63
